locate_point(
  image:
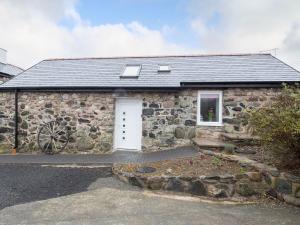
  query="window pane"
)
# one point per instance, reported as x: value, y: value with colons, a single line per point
x: 131, y: 70
x: 164, y: 68
x: 209, y: 107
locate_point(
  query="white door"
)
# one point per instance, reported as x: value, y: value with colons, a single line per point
x: 128, y: 124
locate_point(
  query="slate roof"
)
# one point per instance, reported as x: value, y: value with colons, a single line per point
x: 10, y: 70
x: 105, y: 72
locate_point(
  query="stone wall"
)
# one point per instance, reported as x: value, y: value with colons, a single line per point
x: 6, y: 121
x: 215, y: 186
x: 236, y: 100
x: 89, y: 117
x: 169, y: 118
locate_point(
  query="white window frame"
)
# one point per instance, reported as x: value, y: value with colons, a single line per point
x: 131, y: 65
x: 203, y: 123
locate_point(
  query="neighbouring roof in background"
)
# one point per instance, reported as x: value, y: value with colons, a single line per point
x: 10, y: 70
x: 106, y: 72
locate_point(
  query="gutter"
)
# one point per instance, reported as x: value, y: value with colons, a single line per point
x: 90, y: 89
x: 262, y: 84
x: 166, y: 88
x: 16, y: 122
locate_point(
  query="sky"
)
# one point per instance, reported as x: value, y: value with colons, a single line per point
x: 33, y: 30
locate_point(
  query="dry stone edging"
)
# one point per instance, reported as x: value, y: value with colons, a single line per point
x: 216, y: 186
x: 281, y: 185
x: 264, y: 180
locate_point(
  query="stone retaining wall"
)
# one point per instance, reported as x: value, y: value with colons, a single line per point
x: 169, y: 118
x: 280, y: 185
x: 216, y: 186
x: 262, y: 180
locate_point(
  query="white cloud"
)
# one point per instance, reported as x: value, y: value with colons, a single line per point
x: 30, y: 31
x: 248, y: 26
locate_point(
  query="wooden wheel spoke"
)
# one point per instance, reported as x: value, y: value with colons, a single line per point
x: 53, y: 137
x: 44, y: 136
x: 48, y: 127
x: 55, y: 146
x: 64, y: 139
x: 45, y: 131
x: 48, y: 145
x: 61, y: 130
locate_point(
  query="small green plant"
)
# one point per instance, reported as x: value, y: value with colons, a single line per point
x: 216, y: 161
x: 229, y: 148
x: 242, y: 170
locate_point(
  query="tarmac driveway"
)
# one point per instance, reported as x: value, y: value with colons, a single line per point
x: 21, y: 183
x: 91, y: 196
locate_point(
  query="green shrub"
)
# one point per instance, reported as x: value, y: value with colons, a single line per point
x: 278, y: 125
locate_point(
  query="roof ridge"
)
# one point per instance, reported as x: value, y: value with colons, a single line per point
x: 158, y: 56
x: 14, y: 66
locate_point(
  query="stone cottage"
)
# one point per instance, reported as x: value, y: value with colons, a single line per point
x: 7, y: 71
x: 139, y: 103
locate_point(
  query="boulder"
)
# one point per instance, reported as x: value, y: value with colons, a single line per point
x: 6, y: 130
x: 211, y: 179
x: 245, y: 189
x: 291, y: 200
x: 283, y: 186
x: 213, y: 191
x: 153, y: 105
x: 228, y: 179
x: 191, y: 133
x: 179, y: 133
x: 174, y: 184
x: 155, y: 183
x: 271, y: 192
x: 105, y: 147
x: 254, y: 176
x: 82, y: 120
x: 148, y: 112
x: 245, y: 150
x: 190, y: 123
x: 136, y: 181
x: 297, y: 193
x: 197, y: 188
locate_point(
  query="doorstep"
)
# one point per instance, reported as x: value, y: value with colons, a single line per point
x: 207, y: 143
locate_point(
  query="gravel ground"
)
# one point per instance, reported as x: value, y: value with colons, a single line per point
x: 20, y: 183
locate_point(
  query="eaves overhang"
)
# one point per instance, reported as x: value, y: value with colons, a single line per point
x: 260, y: 84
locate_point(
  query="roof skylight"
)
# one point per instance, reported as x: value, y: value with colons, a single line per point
x: 164, y: 68
x: 131, y: 71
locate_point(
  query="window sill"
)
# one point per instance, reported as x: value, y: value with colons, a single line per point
x: 129, y: 77
x: 210, y: 124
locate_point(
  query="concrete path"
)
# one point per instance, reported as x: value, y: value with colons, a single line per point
x: 110, y: 202
x: 115, y: 157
